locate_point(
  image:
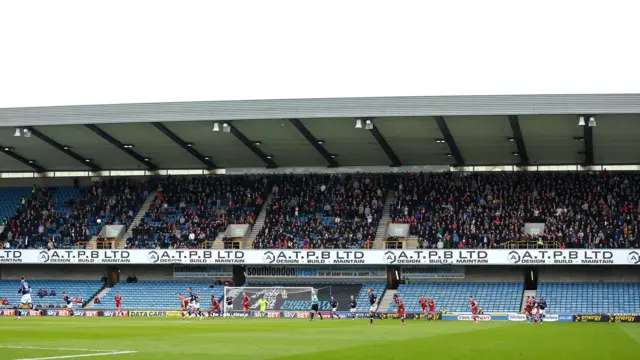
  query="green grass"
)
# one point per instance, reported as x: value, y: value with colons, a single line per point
x: 255, y: 339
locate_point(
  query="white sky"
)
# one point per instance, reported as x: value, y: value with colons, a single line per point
x: 76, y: 52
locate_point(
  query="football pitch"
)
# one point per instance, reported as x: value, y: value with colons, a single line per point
x: 129, y: 338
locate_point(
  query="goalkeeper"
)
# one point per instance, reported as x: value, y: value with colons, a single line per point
x: 263, y: 307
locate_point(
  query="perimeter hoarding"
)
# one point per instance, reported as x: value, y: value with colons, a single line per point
x: 325, y: 257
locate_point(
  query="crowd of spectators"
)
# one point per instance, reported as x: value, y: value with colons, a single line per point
x: 323, y: 211
x: 444, y: 210
x: 41, y: 222
x: 186, y: 212
x: 489, y: 210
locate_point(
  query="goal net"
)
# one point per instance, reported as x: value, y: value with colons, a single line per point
x: 278, y: 298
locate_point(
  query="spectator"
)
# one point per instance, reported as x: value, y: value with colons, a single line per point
x: 323, y: 211
x: 490, y: 210
x: 189, y: 211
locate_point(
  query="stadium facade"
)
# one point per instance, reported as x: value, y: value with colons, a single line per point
x: 123, y: 191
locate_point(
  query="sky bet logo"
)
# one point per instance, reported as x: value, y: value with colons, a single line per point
x: 314, y: 257
x: 196, y: 257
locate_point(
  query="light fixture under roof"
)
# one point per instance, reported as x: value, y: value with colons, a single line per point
x: 358, y: 124
x: 87, y: 160
x: 511, y: 139
x: 216, y: 127
x: 8, y: 149
x: 257, y: 143
x: 320, y: 142
x: 368, y: 125
x: 65, y: 147
x: 592, y: 121
x: 269, y: 157
x: 333, y: 156
x: 18, y: 132
x: 581, y: 121
x: 440, y: 141
x: 226, y: 127
x: 147, y: 159
x: 515, y: 153
x: 189, y: 144
x: 27, y: 132
x: 207, y: 158
x: 127, y: 146
x: 31, y: 162
x: 449, y: 155
x: 578, y: 138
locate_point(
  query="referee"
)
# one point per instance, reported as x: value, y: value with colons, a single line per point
x: 314, y: 305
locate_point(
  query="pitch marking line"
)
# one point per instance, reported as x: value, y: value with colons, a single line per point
x: 93, y: 352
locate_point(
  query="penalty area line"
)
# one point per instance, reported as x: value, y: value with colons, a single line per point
x: 81, y: 355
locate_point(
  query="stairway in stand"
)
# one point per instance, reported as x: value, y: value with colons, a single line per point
x: 93, y: 243
x: 383, y: 226
x: 99, y: 295
x: 386, y: 299
x: 140, y: 215
x: 257, y: 226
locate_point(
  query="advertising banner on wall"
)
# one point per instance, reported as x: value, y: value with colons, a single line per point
x: 325, y: 257
x: 378, y: 272
x: 432, y: 272
x: 224, y: 271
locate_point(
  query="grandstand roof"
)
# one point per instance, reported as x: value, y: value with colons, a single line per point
x: 455, y: 130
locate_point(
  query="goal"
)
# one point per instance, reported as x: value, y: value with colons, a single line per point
x: 279, y: 298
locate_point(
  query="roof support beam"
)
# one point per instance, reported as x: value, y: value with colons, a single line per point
x: 120, y: 146
x: 171, y: 135
x: 314, y: 142
x: 240, y: 136
x: 9, y: 152
x: 517, y: 137
x: 67, y: 151
x: 588, y: 144
x: 395, y: 161
x: 446, y: 134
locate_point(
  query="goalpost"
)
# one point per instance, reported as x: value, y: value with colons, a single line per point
x: 278, y: 298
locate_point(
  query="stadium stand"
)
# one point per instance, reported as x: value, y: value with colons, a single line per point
x: 10, y: 199
x: 444, y: 210
x: 63, y: 217
x: 488, y: 210
x: 591, y: 298
x: 84, y: 289
x: 158, y: 295
x: 186, y: 212
x: 454, y: 297
x: 323, y: 211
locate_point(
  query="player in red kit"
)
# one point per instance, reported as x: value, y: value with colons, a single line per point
x: 528, y: 308
x: 245, y: 305
x: 184, y: 305
x: 432, y: 308
x: 474, y: 309
x: 215, y: 306
x: 423, y: 305
x: 118, y: 300
x: 400, y: 312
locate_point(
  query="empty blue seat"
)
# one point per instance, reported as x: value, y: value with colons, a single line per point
x: 591, y: 298
x: 492, y: 297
